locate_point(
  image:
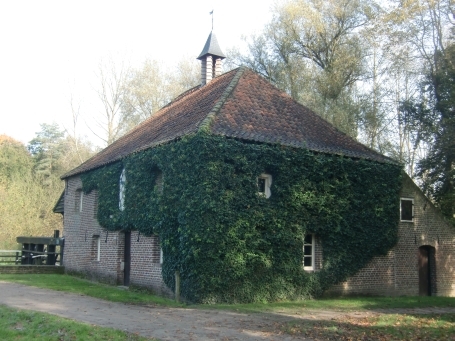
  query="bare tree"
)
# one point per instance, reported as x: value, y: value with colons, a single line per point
x: 112, y: 78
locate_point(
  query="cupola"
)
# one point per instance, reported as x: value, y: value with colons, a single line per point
x: 210, y: 57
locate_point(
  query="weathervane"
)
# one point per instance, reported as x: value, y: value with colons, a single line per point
x: 211, y: 13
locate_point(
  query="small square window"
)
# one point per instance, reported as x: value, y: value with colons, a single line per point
x: 407, y: 209
x: 308, y: 252
x: 264, y: 183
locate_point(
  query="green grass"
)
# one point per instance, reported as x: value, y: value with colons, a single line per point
x: 339, y: 304
x: 28, y: 325
x: 400, y: 327
x: 369, y: 326
x: 111, y: 293
x: 81, y: 286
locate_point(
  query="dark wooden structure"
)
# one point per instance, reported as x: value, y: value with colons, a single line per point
x: 42, y: 250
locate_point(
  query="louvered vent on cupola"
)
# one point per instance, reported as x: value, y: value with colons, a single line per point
x: 210, y: 57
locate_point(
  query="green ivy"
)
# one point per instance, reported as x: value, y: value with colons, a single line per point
x: 230, y: 244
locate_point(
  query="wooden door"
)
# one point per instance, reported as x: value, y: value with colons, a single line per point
x: 127, y: 259
x: 424, y: 272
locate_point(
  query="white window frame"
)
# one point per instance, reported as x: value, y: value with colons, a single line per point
x: 98, y: 249
x: 79, y: 199
x: 81, y: 202
x: 97, y: 242
x: 412, y: 212
x: 122, y: 189
x: 309, y: 268
x: 268, y: 184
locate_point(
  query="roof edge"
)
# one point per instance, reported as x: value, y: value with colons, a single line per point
x: 206, y: 122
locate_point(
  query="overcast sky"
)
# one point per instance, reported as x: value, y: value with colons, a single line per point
x: 50, y: 50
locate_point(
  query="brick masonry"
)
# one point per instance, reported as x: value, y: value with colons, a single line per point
x: 81, y: 233
x: 396, y: 273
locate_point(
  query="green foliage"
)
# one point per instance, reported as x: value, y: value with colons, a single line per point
x: 432, y: 120
x: 30, y: 183
x: 47, y: 148
x: 15, y: 161
x: 25, y: 205
x: 232, y: 245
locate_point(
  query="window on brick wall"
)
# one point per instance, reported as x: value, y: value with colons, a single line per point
x: 78, y: 200
x: 157, y: 252
x: 407, y: 209
x: 96, y: 247
x: 308, y: 252
x: 264, y: 184
x: 122, y: 186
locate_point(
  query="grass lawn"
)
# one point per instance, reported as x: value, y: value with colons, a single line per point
x: 384, y: 327
x: 112, y: 293
x: 339, y: 304
x: 81, y: 286
x: 365, y: 326
x: 27, y: 325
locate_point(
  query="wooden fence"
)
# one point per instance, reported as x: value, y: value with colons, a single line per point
x: 10, y: 257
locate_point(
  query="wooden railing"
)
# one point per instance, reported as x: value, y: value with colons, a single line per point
x: 9, y: 257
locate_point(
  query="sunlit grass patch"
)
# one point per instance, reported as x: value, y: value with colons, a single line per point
x: 81, y: 286
x: 28, y: 325
x: 381, y: 327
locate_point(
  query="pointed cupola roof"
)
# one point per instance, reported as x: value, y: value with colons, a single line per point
x: 211, y: 47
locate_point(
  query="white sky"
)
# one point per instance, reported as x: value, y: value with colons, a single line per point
x: 50, y: 50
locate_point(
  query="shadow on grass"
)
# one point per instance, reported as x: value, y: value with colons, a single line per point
x: 340, y: 304
x: 377, y: 327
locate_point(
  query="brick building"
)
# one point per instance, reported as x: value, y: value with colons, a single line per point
x: 242, y: 105
x: 421, y: 263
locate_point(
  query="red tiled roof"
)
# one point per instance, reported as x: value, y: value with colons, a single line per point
x: 239, y: 104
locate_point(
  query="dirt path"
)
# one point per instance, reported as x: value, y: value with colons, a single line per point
x: 166, y: 323
x: 149, y: 321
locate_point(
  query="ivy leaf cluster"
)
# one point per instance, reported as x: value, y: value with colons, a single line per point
x: 231, y: 244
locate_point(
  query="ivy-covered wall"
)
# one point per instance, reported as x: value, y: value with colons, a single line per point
x: 232, y: 245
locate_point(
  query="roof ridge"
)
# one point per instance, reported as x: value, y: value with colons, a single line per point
x: 205, y: 124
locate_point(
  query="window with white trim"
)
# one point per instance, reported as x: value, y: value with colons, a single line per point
x: 78, y: 201
x: 264, y: 184
x: 121, y: 202
x: 96, y: 247
x: 308, y: 252
x: 407, y: 209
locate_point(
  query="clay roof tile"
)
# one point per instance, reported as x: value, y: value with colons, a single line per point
x: 239, y: 104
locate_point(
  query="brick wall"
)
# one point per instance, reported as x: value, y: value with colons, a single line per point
x: 397, y: 273
x: 81, y: 233
x: 145, y: 263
